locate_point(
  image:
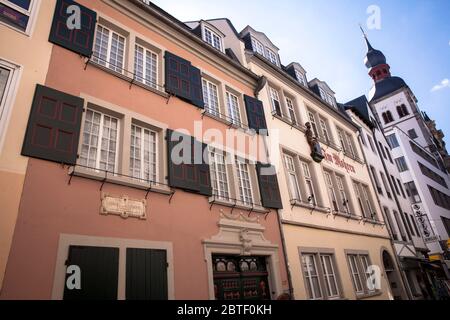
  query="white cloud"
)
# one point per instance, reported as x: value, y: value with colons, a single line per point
x: 444, y: 84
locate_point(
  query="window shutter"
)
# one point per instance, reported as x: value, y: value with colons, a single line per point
x: 268, y: 186
x: 53, y: 130
x: 204, y: 176
x: 146, y: 274
x: 255, y: 114
x: 183, y: 80
x: 99, y: 273
x: 193, y: 176
x: 77, y: 40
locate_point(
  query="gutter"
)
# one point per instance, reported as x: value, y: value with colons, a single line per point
x: 288, y: 269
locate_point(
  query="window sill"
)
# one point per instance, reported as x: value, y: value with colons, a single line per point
x: 100, y: 176
x: 25, y: 33
x: 374, y: 222
x: 347, y: 216
x: 234, y: 205
x: 368, y: 295
x: 132, y: 81
x: 300, y: 204
x: 222, y: 118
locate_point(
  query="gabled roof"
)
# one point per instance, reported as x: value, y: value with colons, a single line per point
x: 217, y: 19
x: 296, y: 65
x: 249, y: 29
x: 360, y: 106
x: 316, y: 81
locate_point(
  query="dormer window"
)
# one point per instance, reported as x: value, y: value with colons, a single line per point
x: 258, y: 47
x: 300, y: 77
x: 272, y: 57
x: 213, y: 38
x: 328, y: 98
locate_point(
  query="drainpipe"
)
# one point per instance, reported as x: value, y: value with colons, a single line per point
x: 288, y: 269
x: 397, y: 259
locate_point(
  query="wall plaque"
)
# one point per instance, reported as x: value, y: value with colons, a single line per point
x: 123, y: 207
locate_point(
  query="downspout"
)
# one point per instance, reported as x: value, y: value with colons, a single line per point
x: 288, y: 269
x: 402, y: 275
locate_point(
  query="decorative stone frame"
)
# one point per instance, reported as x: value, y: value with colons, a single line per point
x: 243, y: 236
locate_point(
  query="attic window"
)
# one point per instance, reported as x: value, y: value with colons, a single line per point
x: 212, y: 38
x: 300, y: 77
x: 272, y: 57
x: 258, y: 47
x: 328, y: 98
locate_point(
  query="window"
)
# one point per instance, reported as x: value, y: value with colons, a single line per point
x: 99, y: 149
x: 272, y: 56
x: 331, y: 192
x: 292, y: 177
x: 400, y: 225
x: 412, y: 192
x: 388, y: 152
x: 323, y: 94
x: 422, y: 153
x: 212, y: 38
x: 401, y: 164
x: 343, y: 194
x: 324, y: 128
x: 400, y: 186
x: 408, y: 223
x: 395, y: 185
x: 143, y: 158
x: 309, y: 184
x: 331, y: 100
x: 386, y: 186
x: 300, y: 77
x: 387, y: 117
x: 313, y: 288
x: 146, y: 66
x: 368, y: 201
x: 109, y: 49
x: 432, y: 175
x: 8, y: 76
x: 355, y: 273
x: 392, y: 140
x: 341, y: 140
x: 414, y: 224
x: 382, y: 150
x: 312, y: 121
x: 412, y: 134
x: 372, y: 146
x: 359, y: 264
x: 219, y: 176
x: 351, y: 145
x: 402, y: 111
x: 391, y: 224
x: 211, y: 98
x: 375, y: 178
x: 233, y: 109
x: 440, y: 199
x: 17, y: 13
x: 258, y: 47
x: 275, y: 100
x: 245, y: 187
x: 321, y: 278
x: 359, y: 199
x: 291, y: 111
x: 329, y: 274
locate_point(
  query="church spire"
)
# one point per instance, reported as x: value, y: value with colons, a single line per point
x: 369, y: 46
x: 375, y: 61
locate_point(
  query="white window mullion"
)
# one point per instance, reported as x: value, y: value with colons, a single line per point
x: 99, y: 143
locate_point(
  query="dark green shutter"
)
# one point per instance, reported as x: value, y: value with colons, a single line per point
x: 54, y: 124
x: 255, y: 114
x: 268, y: 186
x: 183, y: 80
x: 78, y: 40
x: 193, y: 176
x: 146, y: 274
x: 99, y: 273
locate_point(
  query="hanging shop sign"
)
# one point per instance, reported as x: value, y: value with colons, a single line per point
x: 424, y: 223
x: 123, y: 207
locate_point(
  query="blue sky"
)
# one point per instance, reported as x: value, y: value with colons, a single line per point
x: 324, y: 37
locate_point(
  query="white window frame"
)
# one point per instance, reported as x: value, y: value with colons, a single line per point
x: 272, y: 56
x: 366, y: 196
x: 291, y: 110
x: 300, y: 77
x: 208, y: 88
x: 331, y: 193
x: 100, y: 138
x: 356, y: 275
x: 327, y: 274
x: 313, y: 122
x: 234, y: 111
x: 309, y: 183
x: 324, y: 129
x: 107, y: 63
x: 153, y: 82
x: 343, y: 193
x: 258, y: 47
x: 309, y: 276
x: 142, y: 158
x: 214, y: 36
x: 359, y: 198
x: 31, y: 13
x: 350, y: 145
x: 293, y: 177
x: 216, y: 175
x: 240, y: 165
x: 9, y: 96
x: 274, y: 96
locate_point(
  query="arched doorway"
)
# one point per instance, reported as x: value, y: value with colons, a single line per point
x: 393, y: 277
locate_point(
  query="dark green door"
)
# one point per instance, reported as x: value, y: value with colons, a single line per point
x: 146, y: 274
x: 240, y: 278
x: 99, y: 269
